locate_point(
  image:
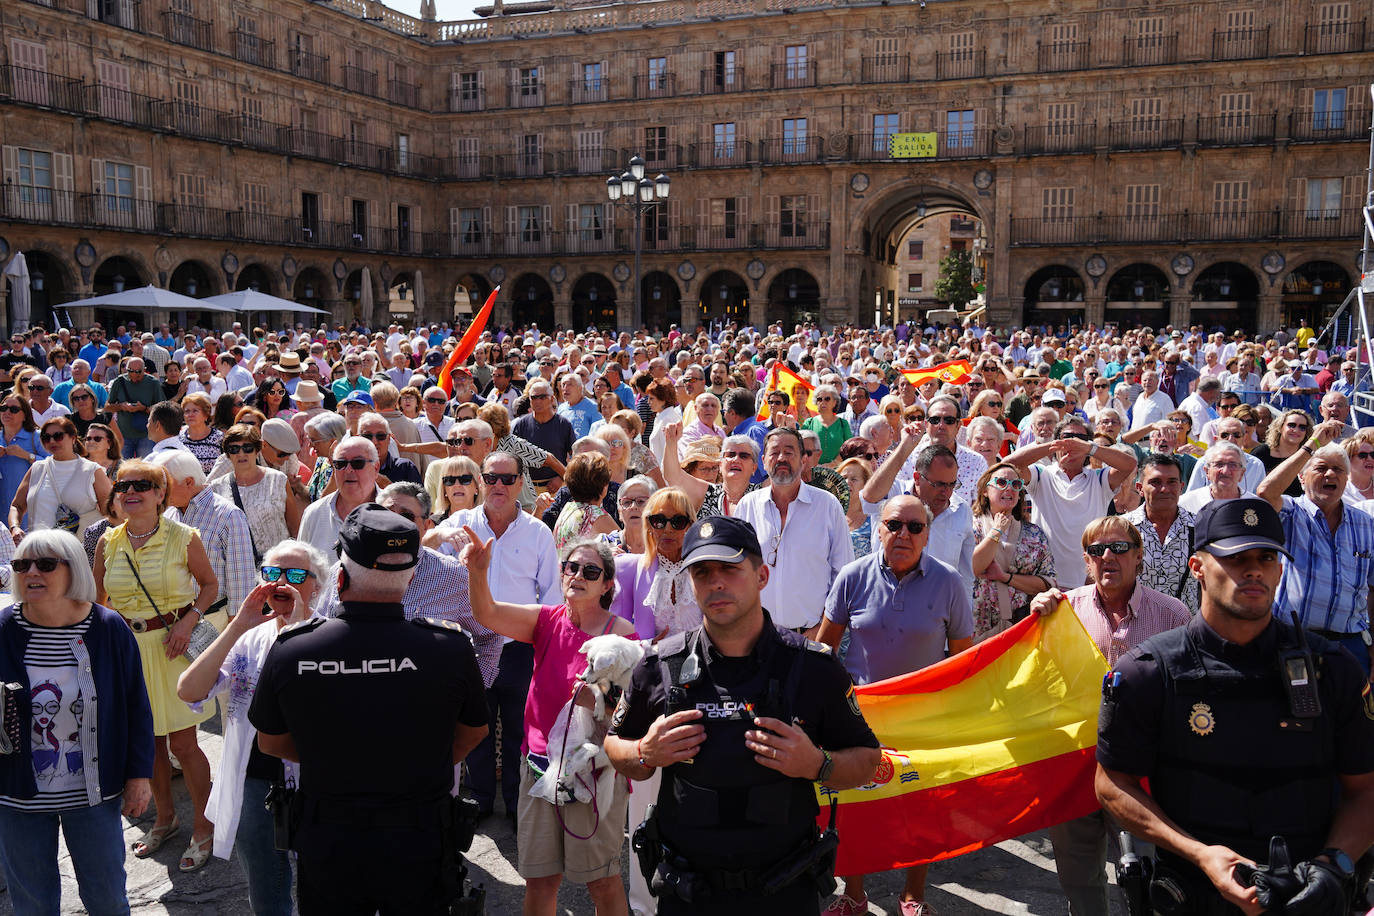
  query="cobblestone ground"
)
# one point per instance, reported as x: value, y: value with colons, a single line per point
x: 1016, y: 877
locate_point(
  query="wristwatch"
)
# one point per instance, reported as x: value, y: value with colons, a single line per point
x: 1341, y: 861
x: 828, y: 767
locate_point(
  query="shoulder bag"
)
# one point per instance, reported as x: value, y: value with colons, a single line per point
x: 204, y: 632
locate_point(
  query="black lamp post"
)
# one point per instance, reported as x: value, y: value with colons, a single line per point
x: 631, y: 189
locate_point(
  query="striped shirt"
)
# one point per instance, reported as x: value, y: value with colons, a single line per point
x: 55, y: 717
x: 1148, y: 613
x: 1328, y: 582
x: 223, y: 530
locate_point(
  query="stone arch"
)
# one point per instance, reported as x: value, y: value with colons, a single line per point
x: 793, y: 296
x: 195, y: 278
x: 255, y: 275
x: 593, y: 297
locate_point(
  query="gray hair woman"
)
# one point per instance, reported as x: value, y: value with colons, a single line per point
x: 288, y: 587
x: 630, y: 500
x: 323, y: 432
x: 65, y: 650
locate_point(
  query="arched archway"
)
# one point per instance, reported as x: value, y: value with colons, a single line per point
x: 1225, y: 297
x: 724, y: 297
x: 354, y: 311
x: 400, y: 296
x: 256, y: 277
x: 197, y: 280
x: 593, y: 303
x: 532, y: 302
x: 1312, y: 292
x: 470, y: 293
x: 1053, y: 297
x: 793, y: 297
x: 312, y: 288
x: 115, y: 275
x: 51, y: 282
x: 1138, y: 295
x: 662, y: 300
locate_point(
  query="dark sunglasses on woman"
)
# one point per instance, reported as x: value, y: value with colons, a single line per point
x: 658, y: 522
x: 58, y: 436
x: 589, y: 572
x: 43, y: 564
x: 451, y: 479
x: 246, y: 448
x: 138, y: 486
x: 294, y: 576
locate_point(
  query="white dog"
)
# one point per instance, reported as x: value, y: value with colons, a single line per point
x: 575, y: 741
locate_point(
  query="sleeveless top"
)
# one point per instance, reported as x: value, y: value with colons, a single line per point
x: 62, y: 495
x: 161, y: 563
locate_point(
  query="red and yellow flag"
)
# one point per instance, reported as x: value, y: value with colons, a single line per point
x: 952, y: 373
x: 993, y: 743
x: 797, y: 388
x: 467, y: 343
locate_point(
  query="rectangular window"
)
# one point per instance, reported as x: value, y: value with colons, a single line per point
x: 191, y: 190
x: 310, y: 215
x: 655, y: 226
x: 961, y: 46
x: 251, y: 109
x: 915, y: 283
x: 187, y: 99
x: 1063, y: 36
x: 35, y: 177
x: 529, y: 82
x: 1148, y: 32
x: 795, y: 62
x: 792, y: 216
x: 29, y: 65
x: 793, y: 136
x: 1324, y: 198
x: 656, y: 145
x: 915, y: 249
x: 1056, y: 204
x: 726, y: 73
x: 255, y: 198
x: 1142, y: 201
x: 115, y: 100
x: 658, y: 72
x: 118, y: 188
x: 468, y: 89
x: 884, y: 126
x: 724, y: 216
x: 1061, y: 120
x: 1234, y: 109
x: 959, y: 129
x: 723, y: 135
x: 470, y: 225
x: 1333, y: 18
x: 958, y: 244
x: 593, y: 82
x: 466, y: 156
x: 1230, y: 198
x: 1239, y: 23
x: 403, y: 151
x: 1146, y: 115
x: 531, y: 154
x: 358, y: 213
x: 531, y: 226
x: 589, y: 151
x: 590, y: 224
x: 1328, y: 109
x: 403, y: 228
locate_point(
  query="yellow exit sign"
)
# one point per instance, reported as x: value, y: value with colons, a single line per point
x: 913, y: 146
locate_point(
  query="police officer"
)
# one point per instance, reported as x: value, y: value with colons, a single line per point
x: 377, y: 710
x: 744, y: 717
x: 1246, y: 731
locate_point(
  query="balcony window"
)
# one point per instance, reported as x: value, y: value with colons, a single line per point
x: 118, y: 189
x: 590, y: 225
x: 959, y: 129
x: 792, y: 217
x: 658, y: 70
x: 531, y: 225
x: 723, y: 136
x: 470, y: 225
x: 794, y: 136
x: 1323, y: 198
x: 35, y: 180
x: 1328, y: 109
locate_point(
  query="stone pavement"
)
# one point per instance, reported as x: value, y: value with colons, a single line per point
x: 1016, y: 877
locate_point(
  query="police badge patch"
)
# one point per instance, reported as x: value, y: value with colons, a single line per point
x: 1200, y: 720
x: 853, y: 700
x: 622, y: 709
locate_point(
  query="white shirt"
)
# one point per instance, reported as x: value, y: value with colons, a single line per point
x: 1149, y: 408
x: 1063, y: 508
x: 804, y: 556
x: 320, y: 524
x: 429, y: 432
x: 1194, y: 500
x: 240, y: 378
x: 171, y: 443
x: 524, y: 564
x: 213, y: 391
x: 1254, y: 475
x: 1198, y: 409
x: 54, y: 410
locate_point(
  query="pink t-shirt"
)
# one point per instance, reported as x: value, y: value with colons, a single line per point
x: 557, y: 663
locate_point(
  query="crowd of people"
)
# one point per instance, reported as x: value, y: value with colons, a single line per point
x: 161, y: 487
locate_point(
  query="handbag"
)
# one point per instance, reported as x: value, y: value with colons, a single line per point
x: 204, y: 632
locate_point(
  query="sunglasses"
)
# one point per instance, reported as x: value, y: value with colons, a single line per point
x: 356, y: 464
x: 80, y: 397
x: 588, y: 571
x: 947, y: 421
x: 994, y: 404
x: 294, y: 576
x: 461, y: 440
x: 464, y: 479
x: 1081, y: 437
x: 138, y: 486
x: 895, y: 524
x: 1100, y: 386
x: 1295, y: 426
x: 1116, y: 547
x: 44, y: 564
x: 1008, y: 483
x: 58, y: 436
x: 506, y: 479
x: 11, y: 408
x: 540, y: 397
x: 660, y: 522
x: 440, y: 401
x: 242, y: 448
x: 95, y: 439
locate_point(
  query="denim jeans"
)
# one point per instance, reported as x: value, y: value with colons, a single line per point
x: 95, y: 839
x: 136, y: 447
x: 268, y: 870
x: 506, y: 701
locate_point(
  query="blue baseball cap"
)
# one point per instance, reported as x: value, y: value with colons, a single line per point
x: 358, y: 397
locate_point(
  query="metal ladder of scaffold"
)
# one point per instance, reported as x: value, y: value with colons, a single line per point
x: 1361, y: 295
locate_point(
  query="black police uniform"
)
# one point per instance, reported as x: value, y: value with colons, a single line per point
x: 1209, y: 723
x: 372, y: 702
x: 726, y: 816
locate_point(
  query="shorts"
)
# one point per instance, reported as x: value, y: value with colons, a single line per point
x: 547, y: 849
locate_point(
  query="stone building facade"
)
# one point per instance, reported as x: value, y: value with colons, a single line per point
x: 1124, y: 160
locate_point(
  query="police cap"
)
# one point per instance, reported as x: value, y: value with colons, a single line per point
x: 1234, y: 526
x: 371, y: 532
x: 719, y: 538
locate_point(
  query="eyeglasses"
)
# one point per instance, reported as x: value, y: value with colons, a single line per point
x: 12, y: 408
x: 941, y: 485
x: 1295, y: 426
x: 461, y: 440
x: 1082, y: 437
x: 660, y: 522
x: 246, y: 448
x: 540, y: 397
x: 138, y: 486
x: 95, y: 439
x: 356, y: 464
x: 440, y: 401
x: 823, y: 399
x: 895, y: 524
x: 1100, y: 386
x: 505, y: 479
x: 588, y: 571
x: 993, y: 404
x: 1251, y: 422
x: 376, y: 437
x: 464, y: 479
x: 1364, y: 455
x: 633, y: 502
x: 43, y: 564
x: 1116, y: 547
x: 294, y: 576
x: 1008, y: 483
x: 947, y: 421
x: 1231, y: 435
x: 58, y: 436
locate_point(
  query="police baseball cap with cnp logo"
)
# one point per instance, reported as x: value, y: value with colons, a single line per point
x: 1234, y: 526
x: 371, y: 532
x: 719, y: 538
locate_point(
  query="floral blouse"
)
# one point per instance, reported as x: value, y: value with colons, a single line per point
x: 1033, y: 558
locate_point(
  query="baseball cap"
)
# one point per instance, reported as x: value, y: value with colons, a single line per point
x: 1053, y: 396
x: 719, y: 538
x: 1234, y: 526
x: 434, y: 358
x: 358, y: 397
x: 371, y: 532
x: 278, y: 434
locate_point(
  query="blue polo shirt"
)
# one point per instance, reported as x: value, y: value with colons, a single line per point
x: 758, y: 432
x: 581, y: 415
x: 92, y: 352
x: 898, y: 626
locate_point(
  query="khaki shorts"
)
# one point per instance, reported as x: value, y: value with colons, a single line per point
x: 547, y: 849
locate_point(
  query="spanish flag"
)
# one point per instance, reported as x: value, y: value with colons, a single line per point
x: 952, y: 373
x: 467, y: 344
x: 782, y: 378
x: 993, y: 743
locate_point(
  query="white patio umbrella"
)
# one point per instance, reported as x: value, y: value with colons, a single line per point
x: 250, y: 300
x: 148, y: 297
x: 18, y: 272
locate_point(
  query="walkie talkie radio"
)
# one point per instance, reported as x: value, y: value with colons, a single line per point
x: 1299, y: 672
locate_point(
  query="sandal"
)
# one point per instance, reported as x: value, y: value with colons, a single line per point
x: 197, y: 854
x: 152, y: 840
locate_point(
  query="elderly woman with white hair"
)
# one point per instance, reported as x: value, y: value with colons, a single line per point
x: 704, y: 424
x: 985, y: 435
x: 288, y: 588
x: 78, y: 765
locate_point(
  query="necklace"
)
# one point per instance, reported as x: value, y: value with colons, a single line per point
x: 149, y: 533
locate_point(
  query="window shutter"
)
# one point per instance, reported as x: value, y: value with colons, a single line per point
x: 326, y: 207
x: 92, y: 9
x: 546, y: 215
x: 674, y: 218
x: 512, y: 225
x: 813, y: 209
x: 416, y: 225
x: 703, y: 214
x: 742, y: 213
x: 1297, y: 194
x: 62, y: 184
x: 11, y: 161
x: 570, y: 213
x: 514, y: 88
x: 97, y: 176
x: 455, y: 224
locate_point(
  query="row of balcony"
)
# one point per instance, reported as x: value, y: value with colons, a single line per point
x: 66, y: 208
x: 1181, y: 228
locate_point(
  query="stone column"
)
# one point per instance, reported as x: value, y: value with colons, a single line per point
x: 1095, y: 309
x: 562, y: 312
x: 1180, y: 311
x: 1269, y: 312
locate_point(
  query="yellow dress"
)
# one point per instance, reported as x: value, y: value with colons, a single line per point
x: 161, y: 563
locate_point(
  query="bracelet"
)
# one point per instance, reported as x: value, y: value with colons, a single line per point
x: 1306, y: 448
x: 640, y: 754
x: 1009, y: 575
x: 200, y: 615
x: 1312, y: 443
x: 1092, y: 450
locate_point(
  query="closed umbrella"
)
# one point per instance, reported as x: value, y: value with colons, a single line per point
x: 365, y: 300
x: 18, y: 272
x: 419, y: 294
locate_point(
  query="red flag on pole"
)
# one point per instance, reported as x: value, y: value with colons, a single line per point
x: 467, y: 344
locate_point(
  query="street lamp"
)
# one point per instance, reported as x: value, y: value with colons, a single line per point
x: 631, y: 189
